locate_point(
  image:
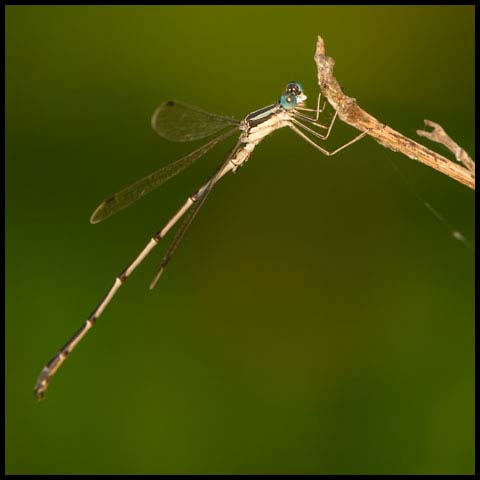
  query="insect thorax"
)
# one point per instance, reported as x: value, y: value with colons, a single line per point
x: 254, y: 132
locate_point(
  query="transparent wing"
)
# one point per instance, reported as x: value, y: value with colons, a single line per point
x: 180, y: 122
x: 190, y: 217
x: 136, y: 190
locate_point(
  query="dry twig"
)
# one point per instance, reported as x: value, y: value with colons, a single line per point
x: 439, y: 135
x: 351, y: 113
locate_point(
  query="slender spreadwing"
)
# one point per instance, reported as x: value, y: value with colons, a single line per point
x: 179, y: 122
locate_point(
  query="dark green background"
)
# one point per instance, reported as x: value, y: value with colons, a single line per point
x: 317, y: 318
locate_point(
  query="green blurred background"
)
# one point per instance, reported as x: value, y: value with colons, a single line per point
x: 317, y: 318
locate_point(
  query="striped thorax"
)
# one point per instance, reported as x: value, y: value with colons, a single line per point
x: 261, y: 123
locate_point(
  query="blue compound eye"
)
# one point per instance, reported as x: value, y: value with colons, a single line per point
x: 288, y: 101
x: 294, y: 87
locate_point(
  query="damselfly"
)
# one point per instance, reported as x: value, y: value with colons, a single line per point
x: 180, y: 122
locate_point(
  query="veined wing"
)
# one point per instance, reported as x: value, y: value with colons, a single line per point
x: 136, y: 190
x: 180, y: 122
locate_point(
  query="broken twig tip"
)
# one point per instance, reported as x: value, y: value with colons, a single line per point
x: 320, y: 46
x: 351, y: 113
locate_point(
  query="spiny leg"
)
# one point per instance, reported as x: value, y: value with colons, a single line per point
x: 317, y: 110
x: 319, y: 135
x: 318, y: 147
x: 306, y: 118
